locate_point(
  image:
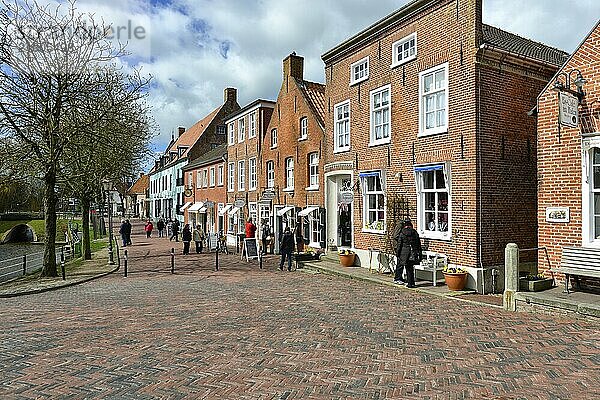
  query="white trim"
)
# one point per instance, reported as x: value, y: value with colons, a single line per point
x: 251, y: 187
x: 284, y: 210
x: 186, y: 205
x: 372, y: 93
x: 440, y: 129
x: 307, y: 211
x: 435, y: 235
x: 337, y: 149
x: 261, y: 104
x: 224, y: 210
x: 365, y: 203
x: 357, y: 63
x: 399, y: 43
x: 312, y: 188
x: 303, y: 137
x: 233, y: 211
x: 587, y: 145
x: 197, y: 206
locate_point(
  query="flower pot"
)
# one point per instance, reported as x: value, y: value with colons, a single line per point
x: 535, y: 285
x: 456, y: 281
x: 347, y: 260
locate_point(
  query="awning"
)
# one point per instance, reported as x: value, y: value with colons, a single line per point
x: 429, y: 168
x: 307, y: 211
x: 369, y: 174
x: 284, y: 210
x: 186, y: 205
x: 225, y: 209
x: 202, y: 210
x: 196, y: 207
x: 234, y: 210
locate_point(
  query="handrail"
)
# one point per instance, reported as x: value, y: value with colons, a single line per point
x: 545, y: 251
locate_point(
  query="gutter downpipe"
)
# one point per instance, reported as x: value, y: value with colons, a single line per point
x: 480, y: 171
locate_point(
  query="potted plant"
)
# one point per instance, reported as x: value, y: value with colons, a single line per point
x: 535, y: 283
x: 456, y: 277
x: 346, y: 257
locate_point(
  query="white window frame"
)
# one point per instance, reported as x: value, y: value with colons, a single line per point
x: 381, y: 109
x: 231, y: 177
x: 344, y: 121
x: 241, y: 123
x: 289, y: 174
x: 587, y: 192
x: 313, y: 171
x: 252, y: 174
x: 270, y: 167
x: 354, y: 69
x: 422, y: 225
x: 212, y: 176
x: 252, y: 119
x: 314, y: 228
x: 399, y: 45
x: 220, y: 175
x: 423, y: 130
x: 241, y: 175
x: 368, y: 226
x: 303, y: 128
x: 198, y: 179
x: 205, y: 180
x: 273, y: 138
x: 231, y: 131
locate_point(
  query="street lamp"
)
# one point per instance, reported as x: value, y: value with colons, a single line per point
x: 107, y: 185
x: 572, y: 78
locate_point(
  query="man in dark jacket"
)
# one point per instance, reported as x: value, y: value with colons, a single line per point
x: 409, y: 253
x: 286, y: 248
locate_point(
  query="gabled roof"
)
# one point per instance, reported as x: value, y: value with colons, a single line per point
x: 522, y: 46
x: 210, y: 157
x: 140, y: 186
x: 191, y: 136
x: 315, y: 96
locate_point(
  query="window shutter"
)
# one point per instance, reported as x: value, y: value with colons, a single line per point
x: 322, y: 222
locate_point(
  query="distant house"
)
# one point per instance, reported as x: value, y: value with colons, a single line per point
x: 137, y: 198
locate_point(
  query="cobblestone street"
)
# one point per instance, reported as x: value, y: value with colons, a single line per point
x: 246, y: 333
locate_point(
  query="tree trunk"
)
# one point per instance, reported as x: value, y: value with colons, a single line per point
x: 50, y: 201
x: 85, y: 229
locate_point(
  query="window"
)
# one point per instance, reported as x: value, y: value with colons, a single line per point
x: 380, y: 116
x: 252, y: 174
x: 359, y: 71
x: 342, y: 127
x: 591, y: 194
x: 270, y: 174
x: 373, y: 202
x: 220, y: 175
x: 303, y: 128
x: 212, y: 176
x: 231, y: 133
x: 253, y: 213
x: 205, y: 178
x: 273, y: 138
x: 433, y: 103
x: 190, y: 180
x: 252, y: 125
x: 315, y: 228
x: 221, y: 129
x: 433, y: 201
x: 242, y: 175
x: 289, y: 173
x: 230, y: 177
x: 241, y: 129
x: 404, y: 50
x: 313, y: 170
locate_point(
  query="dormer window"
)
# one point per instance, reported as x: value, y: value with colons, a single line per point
x: 404, y: 50
x: 359, y: 71
x: 221, y: 129
x: 181, y: 150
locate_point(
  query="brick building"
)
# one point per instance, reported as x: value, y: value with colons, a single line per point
x: 245, y: 134
x: 426, y: 116
x: 292, y: 162
x: 137, y: 203
x: 205, y: 190
x: 568, y: 153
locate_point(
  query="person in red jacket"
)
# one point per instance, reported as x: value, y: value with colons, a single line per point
x: 250, y: 229
x: 148, y: 228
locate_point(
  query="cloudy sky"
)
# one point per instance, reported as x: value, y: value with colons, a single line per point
x: 195, y: 48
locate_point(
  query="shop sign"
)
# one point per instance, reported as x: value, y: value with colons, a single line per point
x: 568, y: 108
x: 346, y: 197
x: 239, y: 203
x: 268, y: 195
x: 557, y: 214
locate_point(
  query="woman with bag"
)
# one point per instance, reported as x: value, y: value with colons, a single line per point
x: 186, y: 235
x: 409, y: 253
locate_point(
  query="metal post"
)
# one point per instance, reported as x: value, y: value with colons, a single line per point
x: 172, y: 260
x: 62, y: 265
x: 125, y: 263
x: 260, y: 260
x: 25, y: 265
x: 111, y: 260
x: 217, y: 259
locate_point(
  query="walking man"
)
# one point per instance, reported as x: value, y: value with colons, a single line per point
x: 286, y: 248
x: 409, y: 253
x: 160, y: 225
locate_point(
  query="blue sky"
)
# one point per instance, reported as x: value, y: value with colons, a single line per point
x: 196, y: 48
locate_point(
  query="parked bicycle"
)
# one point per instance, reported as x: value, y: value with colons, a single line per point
x: 222, y: 243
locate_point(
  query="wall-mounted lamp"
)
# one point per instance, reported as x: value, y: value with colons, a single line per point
x: 573, y: 77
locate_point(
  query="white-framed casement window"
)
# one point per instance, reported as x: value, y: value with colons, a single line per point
x: 270, y: 167
x: 373, y: 201
x: 253, y: 212
x: 289, y: 173
x: 433, y: 100
x: 313, y: 171
x: 206, y: 178
x: 231, y: 131
x: 252, y: 118
x: 242, y: 175
x: 341, y: 127
x: 359, y: 71
x: 241, y: 130
x: 190, y: 183
x: 434, y: 211
x: 212, y: 176
x: 220, y: 175
x: 303, y: 128
x: 380, y: 116
x: 591, y: 192
x: 230, y: 177
x: 273, y: 138
x: 404, y: 50
x: 252, y: 175
x: 198, y: 179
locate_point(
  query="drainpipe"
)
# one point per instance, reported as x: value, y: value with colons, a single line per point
x: 480, y: 172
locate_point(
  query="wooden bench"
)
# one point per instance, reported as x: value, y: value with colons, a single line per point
x: 432, y: 262
x: 578, y: 261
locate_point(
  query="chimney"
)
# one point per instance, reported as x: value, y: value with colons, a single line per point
x: 141, y: 174
x: 181, y: 130
x: 230, y: 95
x: 293, y: 65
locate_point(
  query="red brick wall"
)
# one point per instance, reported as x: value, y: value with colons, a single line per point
x: 217, y: 194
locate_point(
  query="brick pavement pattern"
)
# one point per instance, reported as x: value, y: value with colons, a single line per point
x: 246, y: 333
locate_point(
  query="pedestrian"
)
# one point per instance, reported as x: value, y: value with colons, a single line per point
x: 123, y: 232
x: 174, y: 230
x: 265, y: 233
x: 160, y: 226
x: 409, y: 253
x: 148, y: 228
x: 286, y: 248
x: 186, y: 236
x: 299, y: 237
x: 250, y: 229
x: 129, y: 228
x: 199, y: 239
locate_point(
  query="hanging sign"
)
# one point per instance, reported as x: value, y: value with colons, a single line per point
x: 268, y: 195
x: 239, y: 203
x: 568, y: 109
x: 187, y: 193
x: 346, y: 197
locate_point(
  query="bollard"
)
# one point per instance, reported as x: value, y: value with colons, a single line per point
x: 260, y: 260
x: 125, y: 263
x: 217, y: 259
x: 62, y: 265
x: 172, y: 260
x: 511, y: 276
x: 24, y: 265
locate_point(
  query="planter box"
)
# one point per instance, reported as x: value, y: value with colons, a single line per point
x: 535, y: 286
